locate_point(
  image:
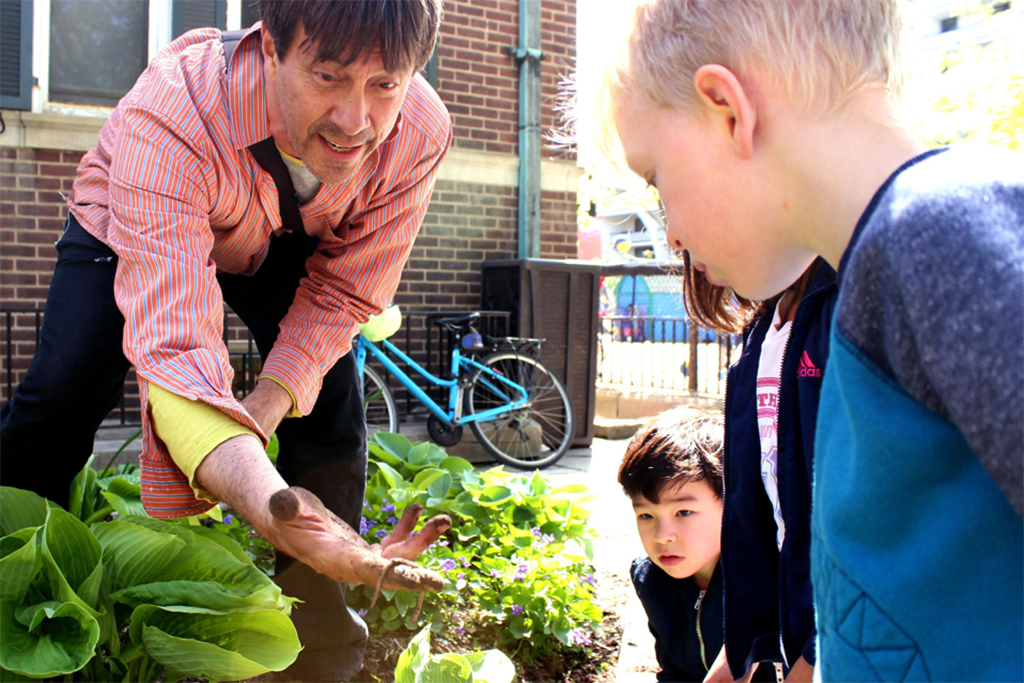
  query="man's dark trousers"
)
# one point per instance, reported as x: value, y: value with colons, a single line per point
x: 75, y: 379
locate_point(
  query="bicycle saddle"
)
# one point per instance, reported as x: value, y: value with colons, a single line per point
x: 458, y: 322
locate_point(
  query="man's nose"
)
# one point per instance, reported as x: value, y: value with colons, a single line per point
x: 352, y: 114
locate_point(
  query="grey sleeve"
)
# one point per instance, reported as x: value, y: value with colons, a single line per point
x: 952, y: 295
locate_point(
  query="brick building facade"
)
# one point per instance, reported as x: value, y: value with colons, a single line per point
x: 473, y: 211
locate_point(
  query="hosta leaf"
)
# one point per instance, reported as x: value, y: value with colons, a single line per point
x: 446, y: 668
x: 20, y: 509
x: 418, y: 457
x: 19, y: 566
x: 457, y: 466
x: 219, y: 646
x: 133, y: 554
x: 539, y: 485
x: 491, y: 666
x: 83, y: 491
x: 426, y: 477
x: 124, y: 506
x: 63, y: 640
x: 394, y: 445
x: 391, y: 476
x: 413, y: 657
x: 439, y: 487
x: 72, y: 560
x: 494, y: 496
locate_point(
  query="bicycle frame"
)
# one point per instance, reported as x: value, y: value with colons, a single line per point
x: 453, y: 416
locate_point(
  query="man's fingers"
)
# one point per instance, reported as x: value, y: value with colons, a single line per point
x: 405, y: 526
x: 415, y: 544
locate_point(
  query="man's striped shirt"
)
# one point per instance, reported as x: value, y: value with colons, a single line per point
x: 172, y: 189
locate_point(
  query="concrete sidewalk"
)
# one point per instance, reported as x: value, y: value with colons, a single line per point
x: 612, y: 517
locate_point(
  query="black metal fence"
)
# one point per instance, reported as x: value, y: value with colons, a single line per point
x: 420, y: 337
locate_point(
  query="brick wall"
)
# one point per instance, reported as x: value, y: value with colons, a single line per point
x: 467, y: 222
x: 479, y: 80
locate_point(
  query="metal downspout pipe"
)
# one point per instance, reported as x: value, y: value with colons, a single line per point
x: 529, y: 54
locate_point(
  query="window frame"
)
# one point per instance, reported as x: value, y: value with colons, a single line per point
x: 161, y: 27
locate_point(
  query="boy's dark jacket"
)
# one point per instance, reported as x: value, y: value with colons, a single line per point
x: 672, y: 616
x: 766, y: 594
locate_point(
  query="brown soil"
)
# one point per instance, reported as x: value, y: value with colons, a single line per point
x: 595, y: 664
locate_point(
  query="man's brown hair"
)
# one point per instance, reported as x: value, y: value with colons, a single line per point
x: 405, y: 31
x: 679, y: 446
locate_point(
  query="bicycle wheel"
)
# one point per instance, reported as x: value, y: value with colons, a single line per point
x: 378, y: 404
x: 534, y: 436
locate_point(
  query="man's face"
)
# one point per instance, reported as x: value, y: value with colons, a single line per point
x: 331, y: 117
x: 731, y: 214
x: 682, y: 532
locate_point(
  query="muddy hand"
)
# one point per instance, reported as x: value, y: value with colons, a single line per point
x: 407, y: 544
x: 309, y: 532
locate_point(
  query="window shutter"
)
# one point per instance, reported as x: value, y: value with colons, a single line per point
x: 189, y: 14
x: 16, y: 54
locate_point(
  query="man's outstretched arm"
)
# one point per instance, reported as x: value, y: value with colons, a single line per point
x: 239, y: 473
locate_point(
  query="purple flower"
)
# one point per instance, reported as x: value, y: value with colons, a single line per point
x: 447, y: 565
x: 495, y: 574
x: 392, y: 520
x: 461, y: 576
x: 523, y: 569
x: 464, y: 561
x: 578, y: 636
x: 591, y: 579
x: 364, y: 528
x: 372, y: 523
x: 442, y: 542
x: 362, y: 612
x: 516, y: 610
x: 388, y: 507
x: 461, y: 631
x: 536, y: 531
x: 228, y: 519
x: 381, y: 533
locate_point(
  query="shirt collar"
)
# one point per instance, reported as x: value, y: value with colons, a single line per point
x: 247, y: 91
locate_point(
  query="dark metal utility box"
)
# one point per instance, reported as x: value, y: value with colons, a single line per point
x: 557, y: 301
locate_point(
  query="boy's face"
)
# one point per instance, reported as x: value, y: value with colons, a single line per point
x: 730, y: 213
x: 682, y: 532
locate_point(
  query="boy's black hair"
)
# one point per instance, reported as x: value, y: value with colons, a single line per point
x: 405, y: 31
x: 680, y: 445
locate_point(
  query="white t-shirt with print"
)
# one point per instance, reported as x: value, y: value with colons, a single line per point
x: 769, y: 367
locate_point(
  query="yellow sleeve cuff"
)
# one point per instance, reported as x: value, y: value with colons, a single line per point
x: 294, y: 411
x: 190, y: 430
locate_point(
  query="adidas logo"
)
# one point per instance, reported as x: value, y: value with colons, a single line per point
x: 807, y: 368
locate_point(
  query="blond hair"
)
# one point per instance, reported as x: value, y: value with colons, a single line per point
x: 819, y: 51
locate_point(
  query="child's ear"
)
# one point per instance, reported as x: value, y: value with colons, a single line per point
x: 725, y: 102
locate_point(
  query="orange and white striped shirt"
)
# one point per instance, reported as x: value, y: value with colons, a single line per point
x: 172, y: 189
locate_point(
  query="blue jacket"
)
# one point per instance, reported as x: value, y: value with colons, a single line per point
x: 918, y: 544
x: 674, y: 607
x: 768, y: 594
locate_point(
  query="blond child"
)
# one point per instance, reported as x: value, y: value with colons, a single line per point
x: 773, y: 132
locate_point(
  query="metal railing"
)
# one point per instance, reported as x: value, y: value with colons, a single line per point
x: 656, y: 353
x: 429, y: 344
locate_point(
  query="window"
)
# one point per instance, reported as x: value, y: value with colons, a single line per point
x: 949, y: 24
x: 16, y: 54
x: 91, y: 53
x: 97, y: 49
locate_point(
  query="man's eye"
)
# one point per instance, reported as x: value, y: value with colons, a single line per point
x: 387, y: 85
x: 644, y: 516
x: 684, y: 513
x: 326, y: 77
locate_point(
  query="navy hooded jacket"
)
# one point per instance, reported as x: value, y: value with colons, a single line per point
x: 768, y: 594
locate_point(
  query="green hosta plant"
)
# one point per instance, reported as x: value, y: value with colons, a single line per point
x: 417, y: 665
x: 517, y: 556
x: 130, y: 599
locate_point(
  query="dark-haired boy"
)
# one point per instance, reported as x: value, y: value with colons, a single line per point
x: 672, y: 472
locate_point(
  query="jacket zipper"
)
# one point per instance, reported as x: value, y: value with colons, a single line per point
x: 700, y: 636
x: 778, y: 409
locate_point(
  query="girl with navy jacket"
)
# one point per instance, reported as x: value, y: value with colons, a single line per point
x: 765, y: 566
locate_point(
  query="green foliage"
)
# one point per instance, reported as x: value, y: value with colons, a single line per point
x: 517, y: 557
x: 417, y: 665
x: 133, y: 598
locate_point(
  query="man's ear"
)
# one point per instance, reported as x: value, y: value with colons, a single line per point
x: 724, y: 101
x: 269, y: 48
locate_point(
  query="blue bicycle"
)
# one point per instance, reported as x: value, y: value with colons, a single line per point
x: 517, y: 408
